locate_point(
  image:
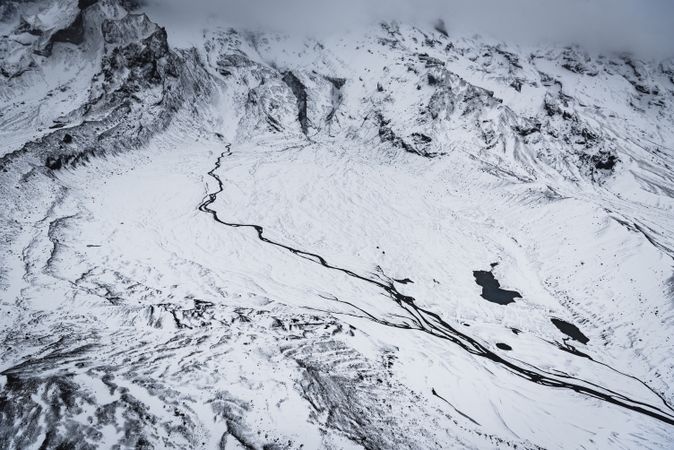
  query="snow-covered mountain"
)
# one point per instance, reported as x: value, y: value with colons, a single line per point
x: 394, y: 237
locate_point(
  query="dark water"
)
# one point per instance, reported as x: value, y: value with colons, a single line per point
x: 491, y: 288
x: 570, y: 330
x: 430, y: 322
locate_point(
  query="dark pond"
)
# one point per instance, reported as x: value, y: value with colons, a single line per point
x: 570, y: 330
x: 491, y: 288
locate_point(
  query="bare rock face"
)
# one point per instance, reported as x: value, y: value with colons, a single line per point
x: 300, y: 92
x: 140, y: 86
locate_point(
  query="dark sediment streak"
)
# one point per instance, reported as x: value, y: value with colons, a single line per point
x: 430, y: 322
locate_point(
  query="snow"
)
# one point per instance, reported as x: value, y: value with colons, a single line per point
x: 234, y: 282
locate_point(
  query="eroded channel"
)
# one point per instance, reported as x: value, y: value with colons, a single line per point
x: 427, y: 321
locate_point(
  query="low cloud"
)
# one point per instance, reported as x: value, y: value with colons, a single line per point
x: 644, y: 26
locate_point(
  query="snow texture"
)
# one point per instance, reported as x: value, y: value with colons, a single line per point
x: 394, y: 237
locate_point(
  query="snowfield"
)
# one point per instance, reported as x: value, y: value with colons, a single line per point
x: 391, y: 238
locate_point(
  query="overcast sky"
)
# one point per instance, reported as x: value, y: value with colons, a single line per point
x: 638, y: 25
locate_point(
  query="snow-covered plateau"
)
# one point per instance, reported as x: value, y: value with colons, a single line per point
x: 391, y: 237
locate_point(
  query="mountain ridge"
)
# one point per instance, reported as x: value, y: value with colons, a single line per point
x: 363, y: 179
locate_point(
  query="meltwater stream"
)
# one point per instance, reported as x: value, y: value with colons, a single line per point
x: 430, y: 322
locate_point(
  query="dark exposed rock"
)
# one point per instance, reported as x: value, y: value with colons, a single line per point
x: 555, y: 106
x: 337, y: 82
x: 430, y: 61
x: 132, y: 27
x: 551, y: 107
x: 144, y: 60
x: 601, y: 163
x: 637, y: 77
x: 300, y: 92
x: 604, y: 160
x: 54, y: 163
x: 573, y: 66
x: 441, y: 102
x: 588, y: 135
x: 25, y: 27
x: 421, y: 138
x: 528, y: 128
x: 336, y: 95
x: 516, y: 84
x: 578, y: 62
x: 386, y: 134
x: 84, y: 4
x: 7, y: 10
x: 73, y: 34
x: 641, y: 88
x: 513, y: 60
x: 226, y: 64
x: 141, y: 86
x: 433, y: 79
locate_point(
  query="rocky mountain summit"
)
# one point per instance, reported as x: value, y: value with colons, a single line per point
x: 391, y: 237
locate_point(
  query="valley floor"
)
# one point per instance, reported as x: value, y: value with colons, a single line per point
x: 332, y: 303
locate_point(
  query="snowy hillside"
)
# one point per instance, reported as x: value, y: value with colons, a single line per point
x: 394, y: 237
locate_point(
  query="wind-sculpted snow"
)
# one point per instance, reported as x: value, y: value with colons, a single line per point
x: 391, y: 238
x: 428, y: 321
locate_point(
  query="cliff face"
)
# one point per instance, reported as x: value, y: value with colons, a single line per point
x: 136, y: 84
x: 391, y: 238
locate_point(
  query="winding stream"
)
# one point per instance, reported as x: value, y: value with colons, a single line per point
x: 430, y: 322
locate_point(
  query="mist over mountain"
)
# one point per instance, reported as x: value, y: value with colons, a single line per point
x: 608, y: 25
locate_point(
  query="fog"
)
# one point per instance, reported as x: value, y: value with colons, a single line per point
x: 644, y: 26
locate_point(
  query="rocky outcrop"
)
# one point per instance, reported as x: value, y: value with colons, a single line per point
x: 141, y: 85
x: 300, y: 92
